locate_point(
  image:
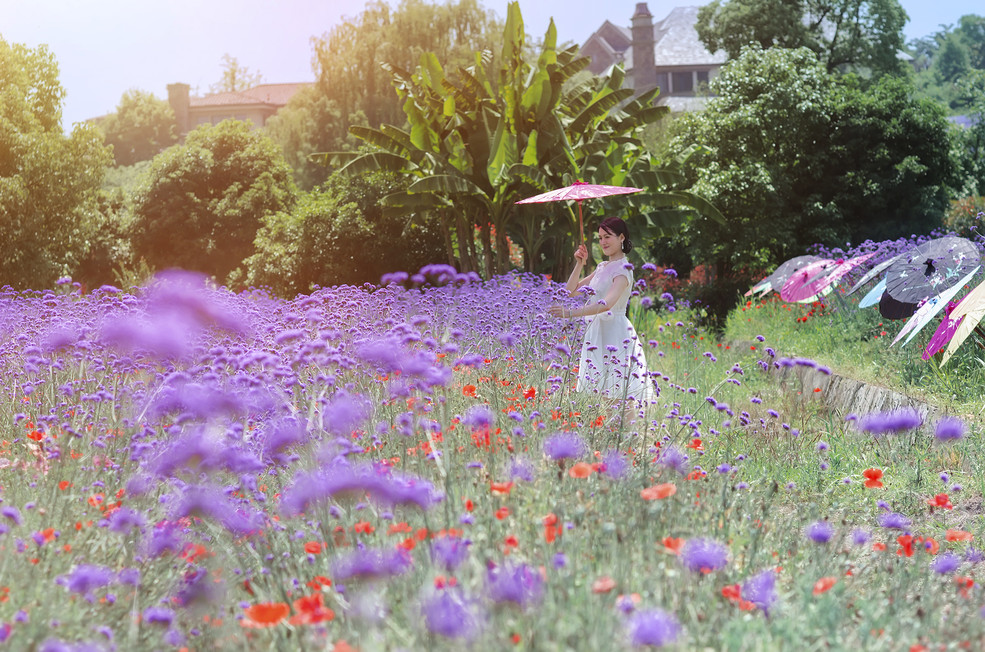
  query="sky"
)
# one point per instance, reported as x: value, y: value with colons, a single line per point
x: 106, y: 47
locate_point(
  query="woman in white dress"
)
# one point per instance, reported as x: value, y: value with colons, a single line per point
x: 612, y: 362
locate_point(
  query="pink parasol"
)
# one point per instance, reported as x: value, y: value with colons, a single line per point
x: 945, y: 331
x: 579, y: 191
x: 818, y: 278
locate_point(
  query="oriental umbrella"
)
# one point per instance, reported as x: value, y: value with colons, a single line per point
x: 579, y: 191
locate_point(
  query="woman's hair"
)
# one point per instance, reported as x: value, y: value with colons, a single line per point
x: 616, y: 226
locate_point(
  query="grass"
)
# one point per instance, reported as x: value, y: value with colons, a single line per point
x: 238, y: 450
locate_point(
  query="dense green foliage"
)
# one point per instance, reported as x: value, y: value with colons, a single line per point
x: 473, y: 149
x: 950, y: 63
x: 337, y: 234
x: 203, y: 201
x: 794, y: 156
x: 141, y: 128
x: 857, y: 35
x: 354, y: 89
x: 48, y: 180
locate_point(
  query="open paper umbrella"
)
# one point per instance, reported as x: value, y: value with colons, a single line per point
x: 822, y: 280
x: 930, y: 269
x: 943, y: 334
x: 872, y: 297
x: 579, y: 191
x: 970, y: 311
x: 891, y: 308
x: 780, y: 275
x: 872, y: 273
x: 802, y: 277
x: 929, y: 310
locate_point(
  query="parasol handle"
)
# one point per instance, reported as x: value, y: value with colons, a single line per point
x: 581, y: 225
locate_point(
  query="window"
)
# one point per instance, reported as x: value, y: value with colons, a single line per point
x: 702, y: 77
x: 663, y: 81
x: 683, y: 82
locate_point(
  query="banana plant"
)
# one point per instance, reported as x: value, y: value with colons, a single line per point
x: 504, y: 129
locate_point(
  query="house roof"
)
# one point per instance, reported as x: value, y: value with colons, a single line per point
x: 676, y: 42
x: 273, y: 95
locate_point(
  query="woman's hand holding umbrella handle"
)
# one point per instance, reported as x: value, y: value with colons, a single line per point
x: 581, y: 254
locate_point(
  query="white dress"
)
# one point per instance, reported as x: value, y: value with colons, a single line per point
x: 612, y: 360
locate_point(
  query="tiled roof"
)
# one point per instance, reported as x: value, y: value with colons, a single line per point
x: 275, y: 95
x: 677, y: 41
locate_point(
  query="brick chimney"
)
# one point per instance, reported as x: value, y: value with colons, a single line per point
x: 179, y: 101
x: 644, y: 73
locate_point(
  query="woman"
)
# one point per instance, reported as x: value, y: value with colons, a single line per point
x: 612, y: 360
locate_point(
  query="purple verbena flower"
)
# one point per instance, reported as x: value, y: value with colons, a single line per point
x: 450, y: 614
x: 653, y: 627
x: 704, y: 555
x: 880, y: 423
x: 894, y: 521
x: 517, y: 583
x: 950, y: 429
x: 564, y: 445
x: 946, y: 563
x: 760, y: 589
x: 820, y: 532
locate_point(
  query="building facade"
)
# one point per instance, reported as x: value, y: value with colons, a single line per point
x: 665, y: 53
x: 255, y: 104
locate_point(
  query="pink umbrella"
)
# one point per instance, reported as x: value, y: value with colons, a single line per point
x: 819, y: 280
x: 579, y: 191
x: 943, y: 334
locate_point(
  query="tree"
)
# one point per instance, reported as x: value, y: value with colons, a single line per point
x: 969, y: 137
x: 351, y: 56
x: 337, y: 234
x: 142, y: 127
x: 203, y: 201
x: 474, y: 148
x: 308, y: 122
x: 794, y: 157
x: 859, y: 35
x: 48, y: 181
x: 235, y: 77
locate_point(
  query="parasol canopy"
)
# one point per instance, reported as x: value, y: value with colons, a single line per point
x: 930, y: 309
x: 931, y: 268
x: 579, y: 191
x: 780, y: 275
x: 970, y: 311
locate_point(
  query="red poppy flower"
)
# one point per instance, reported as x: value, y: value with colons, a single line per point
x: 659, y: 491
x: 312, y: 547
x: 872, y: 477
x: 580, y: 470
x: 265, y: 614
x: 551, y: 528
x: 958, y: 535
x: 469, y: 390
x: 603, y: 584
x: 940, y: 500
x: 823, y: 584
x: 363, y: 527
x: 696, y: 444
x: 530, y: 393
x: 500, y: 488
x: 502, y: 513
x: 672, y: 544
x: 310, y: 609
x: 906, y: 545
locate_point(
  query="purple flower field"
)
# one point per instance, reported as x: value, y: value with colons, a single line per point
x: 408, y: 466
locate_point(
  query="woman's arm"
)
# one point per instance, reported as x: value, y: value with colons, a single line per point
x: 619, y: 285
x: 574, y: 280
